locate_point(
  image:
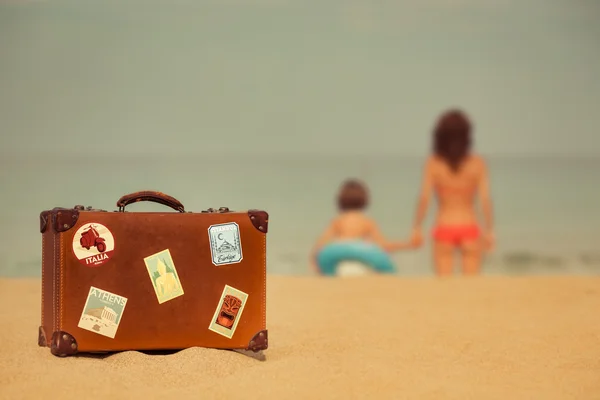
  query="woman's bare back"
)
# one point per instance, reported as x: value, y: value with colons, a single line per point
x: 456, y: 191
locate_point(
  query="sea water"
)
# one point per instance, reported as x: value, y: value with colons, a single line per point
x: 545, y: 209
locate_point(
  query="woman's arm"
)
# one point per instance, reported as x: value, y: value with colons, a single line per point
x: 424, y: 195
x: 485, y: 199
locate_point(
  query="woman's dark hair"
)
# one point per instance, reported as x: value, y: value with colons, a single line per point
x: 353, y: 195
x: 452, y: 138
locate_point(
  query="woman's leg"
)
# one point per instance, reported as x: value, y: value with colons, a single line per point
x: 471, y: 257
x: 443, y: 254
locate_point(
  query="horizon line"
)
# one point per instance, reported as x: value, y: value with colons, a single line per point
x: 287, y: 155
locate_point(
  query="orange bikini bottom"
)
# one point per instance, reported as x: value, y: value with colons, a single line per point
x: 456, y: 234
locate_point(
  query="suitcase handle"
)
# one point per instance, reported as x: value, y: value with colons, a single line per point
x: 149, y: 195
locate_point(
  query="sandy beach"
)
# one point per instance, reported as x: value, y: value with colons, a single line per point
x: 352, y: 338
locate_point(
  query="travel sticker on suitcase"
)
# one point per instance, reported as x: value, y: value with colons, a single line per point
x: 163, y: 275
x: 225, y: 243
x: 228, y: 312
x: 102, y: 312
x: 93, y: 244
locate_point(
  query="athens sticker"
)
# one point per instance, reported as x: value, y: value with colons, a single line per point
x: 93, y: 244
x: 225, y: 243
x: 102, y: 312
x: 228, y: 312
x: 163, y: 275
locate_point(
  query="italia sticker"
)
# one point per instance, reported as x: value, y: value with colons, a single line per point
x: 93, y: 244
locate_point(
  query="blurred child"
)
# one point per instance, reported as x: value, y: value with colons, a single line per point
x: 352, y: 224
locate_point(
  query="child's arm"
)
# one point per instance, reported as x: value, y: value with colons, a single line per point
x: 386, y: 245
x: 325, y: 238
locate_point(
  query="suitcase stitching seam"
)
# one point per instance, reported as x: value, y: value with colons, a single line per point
x: 43, y: 281
x: 54, y: 285
x: 265, y: 281
x: 62, y: 259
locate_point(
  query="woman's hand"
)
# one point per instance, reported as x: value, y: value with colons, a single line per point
x: 489, y: 241
x: 416, y: 239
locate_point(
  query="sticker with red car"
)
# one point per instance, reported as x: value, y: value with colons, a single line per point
x: 93, y: 244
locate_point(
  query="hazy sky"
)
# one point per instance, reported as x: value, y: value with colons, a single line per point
x: 277, y: 76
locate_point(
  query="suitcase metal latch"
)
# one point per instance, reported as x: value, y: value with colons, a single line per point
x: 220, y: 210
x: 88, y: 208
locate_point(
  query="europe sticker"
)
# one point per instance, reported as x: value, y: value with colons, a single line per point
x: 228, y: 312
x: 102, y: 312
x: 93, y: 244
x: 225, y: 243
x: 163, y: 275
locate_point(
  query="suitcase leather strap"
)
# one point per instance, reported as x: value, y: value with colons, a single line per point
x: 148, y: 195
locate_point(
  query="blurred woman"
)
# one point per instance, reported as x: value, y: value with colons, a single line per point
x: 457, y: 177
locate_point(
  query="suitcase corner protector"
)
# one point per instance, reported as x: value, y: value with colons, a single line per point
x: 63, y: 344
x: 61, y: 219
x: 260, y: 219
x: 259, y: 342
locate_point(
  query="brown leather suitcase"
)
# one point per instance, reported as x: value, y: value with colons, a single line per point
x: 122, y: 280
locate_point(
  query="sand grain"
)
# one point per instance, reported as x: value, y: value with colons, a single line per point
x: 480, y: 338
